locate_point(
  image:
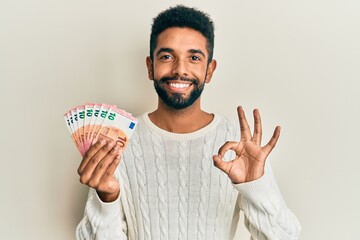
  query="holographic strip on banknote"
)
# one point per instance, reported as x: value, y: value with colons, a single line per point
x: 89, y: 122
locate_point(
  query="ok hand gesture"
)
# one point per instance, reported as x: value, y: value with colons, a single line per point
x: 249, y: 162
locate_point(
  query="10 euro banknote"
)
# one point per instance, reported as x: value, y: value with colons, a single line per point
x: 91, y: 122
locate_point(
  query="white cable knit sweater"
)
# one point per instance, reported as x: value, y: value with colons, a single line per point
x: 170, y: 189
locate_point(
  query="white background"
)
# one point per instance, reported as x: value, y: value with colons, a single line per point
x: 297, y: 61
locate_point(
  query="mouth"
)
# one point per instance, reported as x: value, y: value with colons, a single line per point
x: 178, y: 86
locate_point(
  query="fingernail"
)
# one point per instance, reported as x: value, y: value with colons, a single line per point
x: 94, y: 141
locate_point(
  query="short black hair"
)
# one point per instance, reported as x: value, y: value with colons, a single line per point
x: 184, y: 17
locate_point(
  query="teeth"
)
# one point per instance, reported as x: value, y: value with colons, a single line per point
x: 179, y: 85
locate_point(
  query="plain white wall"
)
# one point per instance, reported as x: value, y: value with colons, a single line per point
x: 298, y: 61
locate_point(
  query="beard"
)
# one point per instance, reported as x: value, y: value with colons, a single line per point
x: 178, y: 100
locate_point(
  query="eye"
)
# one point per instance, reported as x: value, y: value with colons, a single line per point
x: 195, y: 58
x: 166, y: 57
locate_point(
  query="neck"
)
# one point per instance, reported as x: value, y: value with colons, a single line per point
x: 185, y: 120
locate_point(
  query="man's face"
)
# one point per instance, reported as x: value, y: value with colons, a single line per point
x: 180, y: 67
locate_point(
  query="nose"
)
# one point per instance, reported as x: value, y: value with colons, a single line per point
x: 180, y: 68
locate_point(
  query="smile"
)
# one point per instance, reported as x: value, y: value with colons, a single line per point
x: 179, y: 85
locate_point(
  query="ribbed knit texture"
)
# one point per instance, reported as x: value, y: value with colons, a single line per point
x: 183, y: 188
x: 170, y: 189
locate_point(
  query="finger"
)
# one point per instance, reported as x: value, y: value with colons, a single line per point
x: 230, y: 145
x: 94, y: 161
x: 257, y: 127
x: 103, y: 166
x: 89, y: 154
x: 222, y: 165
x: 271, y: 144
x: 244, y: 126
x: 111, y: 170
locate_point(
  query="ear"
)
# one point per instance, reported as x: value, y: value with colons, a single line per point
x: 150, y: 69
x: 210, y: 70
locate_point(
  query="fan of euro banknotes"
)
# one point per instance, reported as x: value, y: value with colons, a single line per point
x: 91, y: 122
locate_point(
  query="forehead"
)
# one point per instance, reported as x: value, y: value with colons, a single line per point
x: 181, y: 39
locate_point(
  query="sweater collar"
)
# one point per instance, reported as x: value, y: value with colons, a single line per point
x: 180, y: 136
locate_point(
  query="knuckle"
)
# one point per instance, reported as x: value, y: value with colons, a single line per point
x: 86, y: 155
x: 83, y: 179
x: 101, y: 165
x: 109, y: 185
x: 105, y: 149
x: 94, y: 160
x: 98, y: 143
x: 103, y: 185
x: 110, y: 145
x: 93, y: 183
x: 115, y: 150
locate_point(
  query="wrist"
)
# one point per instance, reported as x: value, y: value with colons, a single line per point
x: 254, y: 177
x: 108, y: 197
x: 248, y: 178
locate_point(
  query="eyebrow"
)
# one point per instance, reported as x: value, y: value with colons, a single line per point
x: 197, y: 51
x: 170, y: 50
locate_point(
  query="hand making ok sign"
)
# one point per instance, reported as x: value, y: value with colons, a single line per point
x: 249, y: 162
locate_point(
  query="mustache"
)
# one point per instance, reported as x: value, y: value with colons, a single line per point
x: 176, y: 77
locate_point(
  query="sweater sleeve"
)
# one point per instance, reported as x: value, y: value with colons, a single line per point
x: 266, y: 214
x: 102, y: 221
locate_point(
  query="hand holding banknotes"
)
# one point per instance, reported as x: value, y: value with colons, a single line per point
x: 101, y: 133
x: 97, y: 169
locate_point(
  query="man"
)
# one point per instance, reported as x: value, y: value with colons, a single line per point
x: 175, y: 180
